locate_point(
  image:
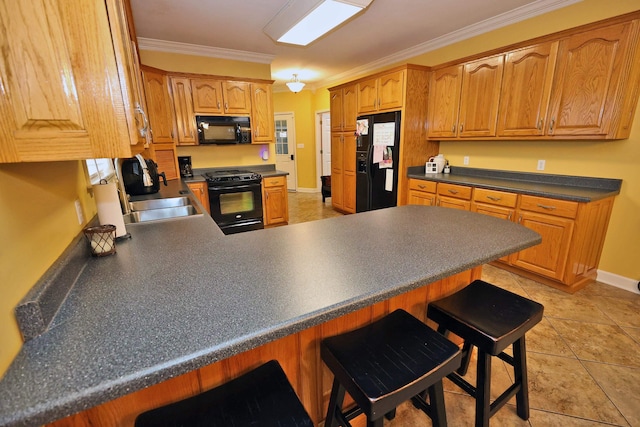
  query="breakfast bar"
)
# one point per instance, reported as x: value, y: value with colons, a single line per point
x: 181, y: 308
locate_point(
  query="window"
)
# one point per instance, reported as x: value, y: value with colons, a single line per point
x: 282, y: 140
x: 100, y: 169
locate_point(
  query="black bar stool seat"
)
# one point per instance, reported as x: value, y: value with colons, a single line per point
x: 491, y: 319
x: 261, y: 397
x: 385, y: 363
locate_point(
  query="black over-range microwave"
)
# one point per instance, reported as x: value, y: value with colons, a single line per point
x: 223, y: 129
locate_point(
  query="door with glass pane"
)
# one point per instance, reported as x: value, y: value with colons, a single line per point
x: 286, y: 147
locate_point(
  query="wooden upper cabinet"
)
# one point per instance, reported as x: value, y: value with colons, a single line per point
x: 156, y: 85
x: 207, y: 96
x: 344, y: 104
x: 211, y: 96
x: 381, y: 93
x: 237, y: 97
x: 183, y: 107
x: 526, y: 88
x: 262, y: 124
x: 67, y: 96
x: 444, y: 102
x: 588, y: 80
x: 480, y: 97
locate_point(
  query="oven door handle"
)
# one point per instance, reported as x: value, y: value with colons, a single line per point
x: 234, y: 188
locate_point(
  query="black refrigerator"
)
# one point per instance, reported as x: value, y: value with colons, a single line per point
x: 377, y: 155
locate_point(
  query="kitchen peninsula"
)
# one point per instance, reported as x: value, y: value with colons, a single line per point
x: 182, y: 307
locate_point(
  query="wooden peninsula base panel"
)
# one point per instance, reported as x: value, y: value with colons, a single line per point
x: 299, y: 355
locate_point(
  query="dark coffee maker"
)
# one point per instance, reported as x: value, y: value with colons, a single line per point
x: 185, y: 166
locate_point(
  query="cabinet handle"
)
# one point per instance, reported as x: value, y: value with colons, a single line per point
x: 218, y: 105
x: 509, y: 217
x: 540, y: 124
x: 551, y: 125
x: 422, y: 186
x: 226, y: 106
x: 453, y: 128
x: 494, y: 198
x: 461, y: 126
x: 520, y: 219
x: 453, y: 191
x: 547, y: 207
x: 145, y: 127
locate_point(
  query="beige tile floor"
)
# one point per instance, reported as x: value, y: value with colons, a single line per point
x: 583, y: 357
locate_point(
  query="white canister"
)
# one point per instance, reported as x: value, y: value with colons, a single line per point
x: 438, y: 160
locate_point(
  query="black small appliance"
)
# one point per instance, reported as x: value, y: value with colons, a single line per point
x: 186, y: 171
x: 140, y: 180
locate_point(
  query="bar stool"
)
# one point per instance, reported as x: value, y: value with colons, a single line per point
x: 491, y: 319
x: 385, y: 363
x: 261, y: 397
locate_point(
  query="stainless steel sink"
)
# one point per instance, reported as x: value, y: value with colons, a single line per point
x: 169, y: 202
x: 160, y: 209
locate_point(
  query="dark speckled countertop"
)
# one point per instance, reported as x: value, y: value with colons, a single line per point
x: 180, y: 295
x: 565, y: 187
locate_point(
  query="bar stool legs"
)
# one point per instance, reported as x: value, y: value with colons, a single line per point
x: 490, y: 319
x: 385, y: 363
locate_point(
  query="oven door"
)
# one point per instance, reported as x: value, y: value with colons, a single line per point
x: 236, y: 208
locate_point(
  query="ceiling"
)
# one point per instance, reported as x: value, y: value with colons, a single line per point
x: 387, y: 32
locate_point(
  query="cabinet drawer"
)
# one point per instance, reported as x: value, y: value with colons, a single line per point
x: 452, y: 190
x: 274, y: 181
x: 563, y: 208
x: 420, y: 185
x: 493, y: 197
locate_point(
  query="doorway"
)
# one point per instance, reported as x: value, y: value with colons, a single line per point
x: 323, y: 145
x: 286, y: 147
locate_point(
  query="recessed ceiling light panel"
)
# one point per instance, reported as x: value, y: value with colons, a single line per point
x: 302, y: 21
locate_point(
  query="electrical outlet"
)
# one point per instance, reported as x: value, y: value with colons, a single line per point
x: 541, y: 164
x: 79, y: 212
x: 465, y: 160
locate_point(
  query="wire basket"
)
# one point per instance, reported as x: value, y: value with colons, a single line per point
x: 102, y: 239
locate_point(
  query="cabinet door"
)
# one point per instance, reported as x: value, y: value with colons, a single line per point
x: 201, y: 191
x: 262, y: 123
x: 337, y: 151
x: 336, y: 108
x: 587, y: 81
x: 349, y: 173
x: 237, y: 97
x: 183, y: 106
x: 275, y: 198
x: 421, y: 198
x: 444, y: 102
x: 390, y: 90
x: 368, y: 96
x: 156, y: 86
x: 349, y: 107
x: 451, y: 202
x: 64, y: 95
x: 480, y: 97
x: 207, y: 96
x: 549, y: 258
x: 497, y: 212
x: 526, y: 88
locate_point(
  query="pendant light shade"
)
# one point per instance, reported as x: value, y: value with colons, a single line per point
x: 295, y: 85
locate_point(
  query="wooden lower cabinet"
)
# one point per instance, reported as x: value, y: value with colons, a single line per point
x: 454, y: 196
x: 343, y: 171
x: 201, y: 191
x: 572, y: 232
x: 275, y: 201
x: 421, y: 192
x: 298, y: 354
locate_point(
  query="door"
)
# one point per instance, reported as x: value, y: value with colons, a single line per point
x: 286, y: 147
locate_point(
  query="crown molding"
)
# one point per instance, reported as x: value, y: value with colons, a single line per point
x: 200, y: 50
x: 520, y: 14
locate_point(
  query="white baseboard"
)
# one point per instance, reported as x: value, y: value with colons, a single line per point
x: 618, y: 281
